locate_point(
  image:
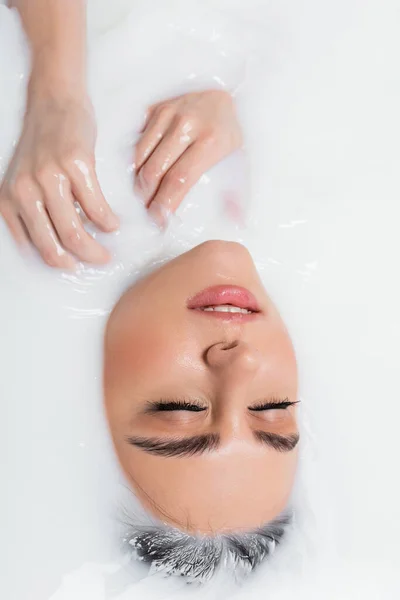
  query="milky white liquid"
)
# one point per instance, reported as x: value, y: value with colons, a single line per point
x: 318, y: 88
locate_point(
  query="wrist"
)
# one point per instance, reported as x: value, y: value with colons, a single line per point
x: 56, y: 81
x: 58, y: 67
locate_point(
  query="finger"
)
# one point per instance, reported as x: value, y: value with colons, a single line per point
x: 42, y: 234
x: 197, y: 159
x: 154, y: 132
x: 148, y: 116
x: 15, y: 226
x: 171, y: 148
x: 86, y: 189
x: 68, y: 225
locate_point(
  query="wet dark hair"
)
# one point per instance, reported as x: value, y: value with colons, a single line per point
x: 198, y: 557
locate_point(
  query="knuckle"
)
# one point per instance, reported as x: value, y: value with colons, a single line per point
x: 209, y: 139
x: 85, y: 158
x: 77, y: 159
x: 45, y: 174
x: 22, y: 187
x: 176, y: 179
x: 224, y: 95
x: 149, y: 173
x: 72, y: 240
x: 25, y: 205
x: 164, y: 111
x: 185, y: 120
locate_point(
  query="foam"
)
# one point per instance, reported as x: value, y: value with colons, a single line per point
x: 320, y: 109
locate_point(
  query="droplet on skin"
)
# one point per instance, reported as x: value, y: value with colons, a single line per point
x: 166, y: 164
x: 187, y: 128
x: 150, y: 148
x: 39, y: 206
x: 185, y: 138
x: 110, y: 220
x: 61, y: 179
x: 85, y: 172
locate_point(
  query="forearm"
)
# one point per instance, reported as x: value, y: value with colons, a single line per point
x: 56, y: 30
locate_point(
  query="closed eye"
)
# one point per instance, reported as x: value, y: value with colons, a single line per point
x: 271, y: 405
x: 173, y: 405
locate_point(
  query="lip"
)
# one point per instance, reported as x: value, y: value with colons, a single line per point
x: 226, y: 294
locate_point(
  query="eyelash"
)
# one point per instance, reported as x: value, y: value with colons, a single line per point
x: 171, y: 405
x: 272, y: 405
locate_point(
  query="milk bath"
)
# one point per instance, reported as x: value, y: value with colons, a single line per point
x: 318, y: 91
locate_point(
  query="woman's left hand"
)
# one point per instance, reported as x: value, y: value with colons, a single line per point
x: 182, y: 139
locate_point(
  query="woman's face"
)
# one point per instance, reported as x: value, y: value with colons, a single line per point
x: 199, y: 402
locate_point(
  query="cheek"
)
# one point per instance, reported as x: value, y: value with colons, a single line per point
x: 146, y: 349
x: 283, y: 344
x: 279, y: 367
x: 283, y: 357
x: 157, y: 347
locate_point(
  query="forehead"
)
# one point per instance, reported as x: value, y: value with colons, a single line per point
x: 241, y: 489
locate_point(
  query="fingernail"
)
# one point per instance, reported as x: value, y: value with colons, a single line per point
x: 159, y: 214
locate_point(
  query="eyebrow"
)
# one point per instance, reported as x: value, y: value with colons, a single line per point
x: 201, y: 444
x: 198, y: 444
x: 281, y: 443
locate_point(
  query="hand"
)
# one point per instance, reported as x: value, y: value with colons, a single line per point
x: 182, y: 139
x: 53, y: 166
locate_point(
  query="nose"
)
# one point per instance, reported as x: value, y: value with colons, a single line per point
x: 236, y: 357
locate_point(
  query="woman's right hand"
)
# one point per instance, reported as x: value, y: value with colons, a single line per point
x: 52, y: 168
